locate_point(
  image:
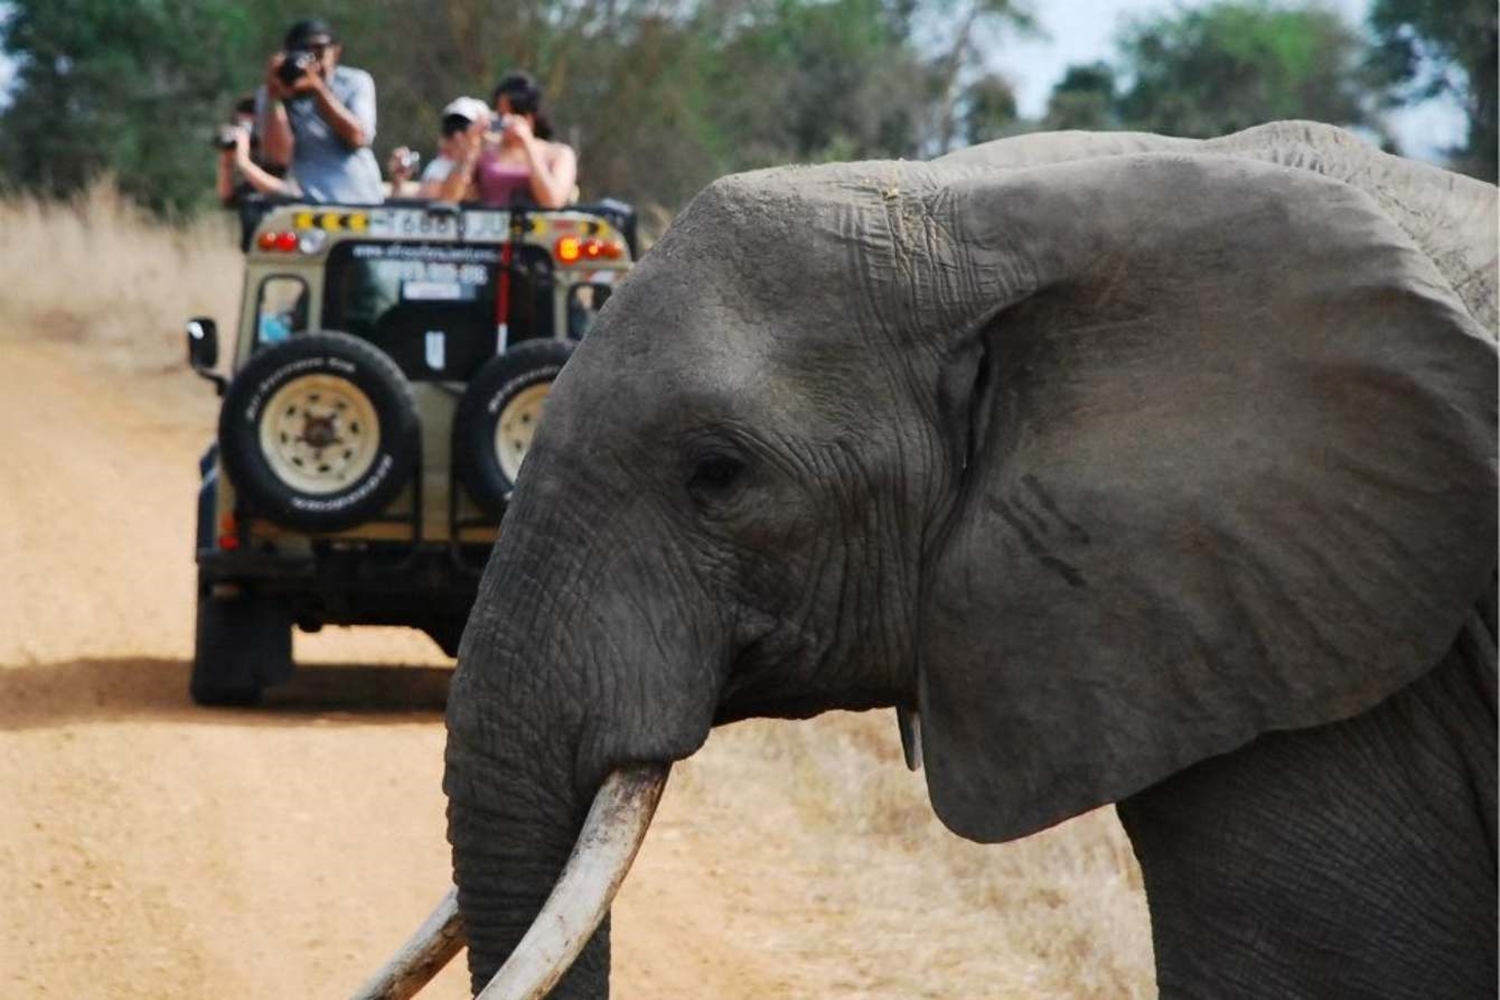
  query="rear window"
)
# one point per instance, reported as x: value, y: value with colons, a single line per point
x: 280, y: 309
x: 434, y: 308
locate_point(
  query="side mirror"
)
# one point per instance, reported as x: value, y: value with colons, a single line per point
x: 203, y: 350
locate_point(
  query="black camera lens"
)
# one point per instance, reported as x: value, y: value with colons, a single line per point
x: 295, y: 63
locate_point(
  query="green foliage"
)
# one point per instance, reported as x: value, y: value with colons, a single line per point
x: 1426, y: 48
x: 659, y: 96
x: 1237, y: 63
x: 815, y: 82
x: 1084, y: 99
x: 989, y: 109
x: 131, y: 88
x: 102, y: 86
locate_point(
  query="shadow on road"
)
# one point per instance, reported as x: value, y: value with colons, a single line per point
x: 102, y: 690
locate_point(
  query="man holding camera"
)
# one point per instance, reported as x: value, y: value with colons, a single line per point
x: 318, y: 118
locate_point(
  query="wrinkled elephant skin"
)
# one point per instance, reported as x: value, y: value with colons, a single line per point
x: 1139, y: 470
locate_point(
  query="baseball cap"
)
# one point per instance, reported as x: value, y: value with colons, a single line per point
x: 471, y: 108
x: 305, y: 32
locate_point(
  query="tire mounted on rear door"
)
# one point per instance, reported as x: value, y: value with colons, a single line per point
x: 319, y: 432
x: 497, y: 419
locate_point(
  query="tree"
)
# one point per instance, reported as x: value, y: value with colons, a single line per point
x: 1084, y: 98
x: 107, y: 86
x: 1426, y: 48
x: 989, y: 109
x: 134, y: 88
x: 659, y: 96
x: 1237, y: 63
x: 818, y: 81
x: 964, y: 28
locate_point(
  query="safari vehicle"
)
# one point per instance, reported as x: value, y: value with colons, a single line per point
x: 388, y: 369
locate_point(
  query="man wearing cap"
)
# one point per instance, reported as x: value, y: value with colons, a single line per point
x: 463, y: 123
x: 320, y: 121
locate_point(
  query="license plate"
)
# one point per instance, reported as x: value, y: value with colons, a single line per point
x: 416, y: 223
x: 397, y: 222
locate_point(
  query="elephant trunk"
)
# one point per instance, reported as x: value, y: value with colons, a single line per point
x: 610, y: 838
x: 512, y: 830
x: 601, y: 858
x: 551, y: 698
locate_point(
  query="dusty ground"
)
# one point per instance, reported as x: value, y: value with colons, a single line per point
x: 149, y: 848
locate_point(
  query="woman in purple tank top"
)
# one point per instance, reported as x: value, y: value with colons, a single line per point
x: 513, y: 161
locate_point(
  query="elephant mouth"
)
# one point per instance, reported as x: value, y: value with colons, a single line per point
x: 612, y: 834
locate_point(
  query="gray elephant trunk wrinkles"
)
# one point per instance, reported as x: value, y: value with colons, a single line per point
x: 512, y: 771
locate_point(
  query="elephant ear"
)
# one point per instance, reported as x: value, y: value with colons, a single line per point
x: 1227, y: 446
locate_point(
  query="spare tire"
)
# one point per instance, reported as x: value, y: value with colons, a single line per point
x: 319, y: 432
x: 497, y: 418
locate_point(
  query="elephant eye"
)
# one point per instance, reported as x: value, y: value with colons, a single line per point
x: 714, y: 475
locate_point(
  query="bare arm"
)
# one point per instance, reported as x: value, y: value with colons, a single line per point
x: 433, y: 189
x: 276, y: 141
x: 554, y: 172
x: 458, y: 185
x: 267, y: 183
x: 259, y: 179
x: 355, y: 124
x: 224, y: 185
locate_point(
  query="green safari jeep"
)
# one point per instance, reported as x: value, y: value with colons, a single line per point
x: 388, y: 370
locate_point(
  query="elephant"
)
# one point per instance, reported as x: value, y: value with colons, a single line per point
x: 1128, y: 469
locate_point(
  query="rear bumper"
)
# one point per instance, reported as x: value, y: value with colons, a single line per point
x: 218, y: 565
x: 389, y: 584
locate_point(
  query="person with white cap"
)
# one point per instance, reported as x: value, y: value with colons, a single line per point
x: 515, y: 162
x: 463, y: 123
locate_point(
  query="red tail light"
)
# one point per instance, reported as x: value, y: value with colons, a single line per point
x: 571, y: 249
x: 229, y: 534
x: 284, y: 242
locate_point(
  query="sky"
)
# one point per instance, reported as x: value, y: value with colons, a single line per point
x: 1082, y: 31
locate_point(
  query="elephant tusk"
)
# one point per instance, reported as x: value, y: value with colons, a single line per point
x: 909, y: 721
x: 424, y: 954
x: 611, y: 835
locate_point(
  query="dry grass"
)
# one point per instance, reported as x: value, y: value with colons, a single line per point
x: 96, y: 271
x: 1058, y: 914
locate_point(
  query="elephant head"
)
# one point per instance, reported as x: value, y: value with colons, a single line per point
x: 1099, y: 455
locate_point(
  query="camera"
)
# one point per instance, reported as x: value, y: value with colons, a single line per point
x: 227, y: 136
x: 408, y: 159
x: 295, y: 64
x: 498, y: 123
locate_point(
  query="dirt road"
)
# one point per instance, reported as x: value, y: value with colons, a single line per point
x: 149, y: 848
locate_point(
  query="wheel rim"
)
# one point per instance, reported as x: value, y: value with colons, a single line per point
x: 319, y: 434
x: 517, y: 426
